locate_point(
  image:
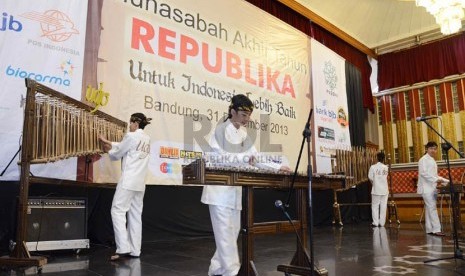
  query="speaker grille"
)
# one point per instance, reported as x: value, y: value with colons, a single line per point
x: 51, y: 219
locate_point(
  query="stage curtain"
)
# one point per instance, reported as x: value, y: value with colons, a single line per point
x: 424, y: 63
x: 354, y: 97
x: 328, y: 39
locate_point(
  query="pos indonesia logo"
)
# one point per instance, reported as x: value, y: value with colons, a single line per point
x: 55, y: 25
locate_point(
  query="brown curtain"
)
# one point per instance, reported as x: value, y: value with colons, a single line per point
x: 424, y: 63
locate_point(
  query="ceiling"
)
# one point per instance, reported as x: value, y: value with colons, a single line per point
x: 380, y: 25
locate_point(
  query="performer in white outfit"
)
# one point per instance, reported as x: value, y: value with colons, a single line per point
x: 230, y: 147
x: 379, y: 192
x: 428, y: 180
x: 129, y: 195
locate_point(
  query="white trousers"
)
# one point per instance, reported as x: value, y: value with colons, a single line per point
x: 378, y: 209
x: 128, y: 233
x: 432, y: 223
x: 226, y: 224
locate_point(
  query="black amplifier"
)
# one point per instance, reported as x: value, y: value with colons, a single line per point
x: 56, y: 223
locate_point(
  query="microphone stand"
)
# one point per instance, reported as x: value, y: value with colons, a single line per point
x: 22, y: 104
x: 446, y: 146
x: 11, y: 161
x: 310, y: 259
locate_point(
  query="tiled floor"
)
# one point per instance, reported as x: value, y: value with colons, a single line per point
x: 352, y: 250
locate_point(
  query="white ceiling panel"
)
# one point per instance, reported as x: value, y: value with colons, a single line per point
x: 375, y: 23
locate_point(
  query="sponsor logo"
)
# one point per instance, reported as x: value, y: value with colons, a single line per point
x: 326, y: 114
x: 170, y: 168
x: 18, y: 72
x: 9, y: 23
x: 169, y: 152
x: 67, y: 67
x: 329, y: 70
x: 326, y: 133
x: 55, y: 25
x: 187, y: 154
x: 342, y: 117
x: 98, y: 97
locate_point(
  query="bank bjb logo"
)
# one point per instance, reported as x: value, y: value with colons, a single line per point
x: 55, y: 25
x: 170, y: 168
x: 10, y: 23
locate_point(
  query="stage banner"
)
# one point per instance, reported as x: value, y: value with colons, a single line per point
x: 42, y: 40
x: 331, y: 123
x: 181, y: 62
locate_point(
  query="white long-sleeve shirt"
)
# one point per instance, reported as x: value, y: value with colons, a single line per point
x: 378, y: 177
x: 231, y: 147
x: 135, y: 151
x: 428, y: 175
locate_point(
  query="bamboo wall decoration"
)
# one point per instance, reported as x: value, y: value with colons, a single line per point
x: 401, y: 128
x: 445, y: 100
x: 450, y: 133
x: 417, y: 138
x: 402, y: 141
x: 432, y: 136
x: 388, y: 139
x: 462, y: 122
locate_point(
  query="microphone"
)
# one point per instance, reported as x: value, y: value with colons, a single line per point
x: 422, y: 119
x: 279, y: 204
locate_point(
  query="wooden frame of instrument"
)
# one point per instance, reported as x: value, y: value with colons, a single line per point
x: 20, y: 255
x: 197, y: 173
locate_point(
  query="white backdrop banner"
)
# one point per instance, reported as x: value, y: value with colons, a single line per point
x: 331, y: 120
x: 180, y: 62
x: 42, y: 40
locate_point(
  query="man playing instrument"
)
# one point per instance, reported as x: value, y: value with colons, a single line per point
x: 128, y: 200
x: 428, y: 180
x: 231, y: 144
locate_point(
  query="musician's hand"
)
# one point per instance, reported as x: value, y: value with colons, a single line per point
x: 102, y: 138
x: 285, y: 169
x: 106, y: 147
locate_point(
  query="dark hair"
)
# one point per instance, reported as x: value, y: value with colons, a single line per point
x: 431, y: 144
x: 380, y: 156
x: 240, y: 102
x: 141, y: 119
